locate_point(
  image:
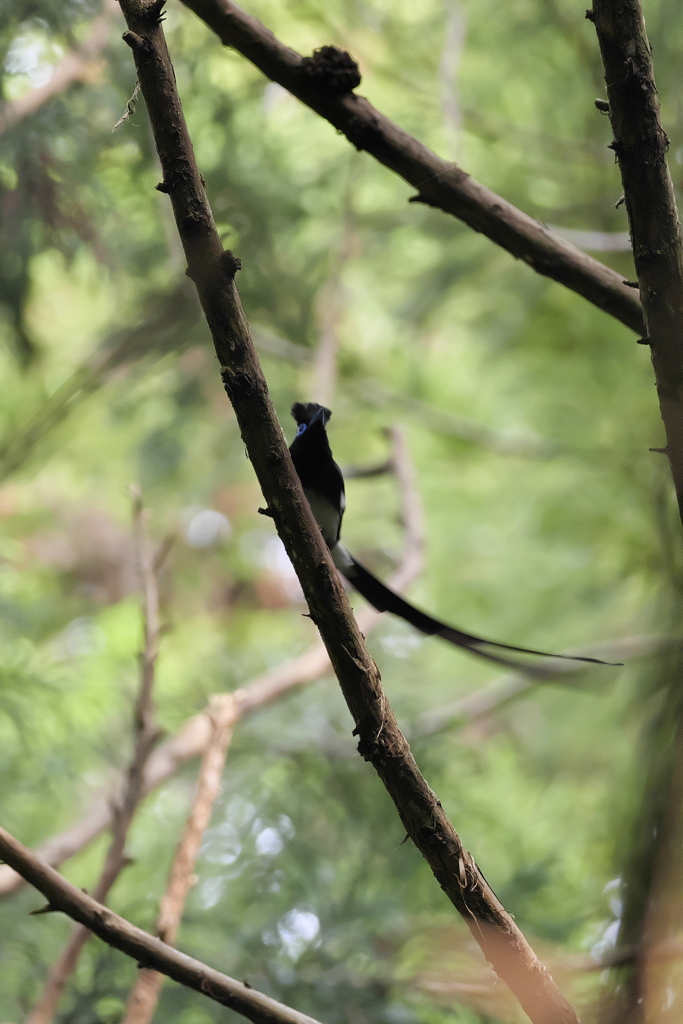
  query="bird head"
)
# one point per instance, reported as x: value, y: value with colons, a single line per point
x: 307, y: 414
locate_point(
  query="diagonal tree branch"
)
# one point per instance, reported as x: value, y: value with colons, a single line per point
x: 147, y: 950
x: 640, y: 144
x: 324, y: 83
x: 380, y: 740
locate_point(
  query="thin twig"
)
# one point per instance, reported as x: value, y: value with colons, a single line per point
x: 380, y: 739
x: 439, y: 183
x: 366, y: 472
x: 77, y: 66
x: 145, y: 993
x: 145, y: 949
x: 146, y: 731
x: 412, y: 513
x: 371, y: 392
x: 123, y: 810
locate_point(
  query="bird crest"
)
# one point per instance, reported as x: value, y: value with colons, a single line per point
x: 304, y: 412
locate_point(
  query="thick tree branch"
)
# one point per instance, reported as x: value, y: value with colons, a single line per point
x: 76, y: 66
x: 142, y: 947
x: 324, y: 83
x: 640, y: 144
x: 380, y: 740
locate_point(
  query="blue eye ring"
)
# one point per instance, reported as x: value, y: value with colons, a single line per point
x: 300, y: 429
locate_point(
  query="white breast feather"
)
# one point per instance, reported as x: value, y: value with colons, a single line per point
x: 326, y: 516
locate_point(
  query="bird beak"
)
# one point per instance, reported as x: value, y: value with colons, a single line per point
x: 319, y: 415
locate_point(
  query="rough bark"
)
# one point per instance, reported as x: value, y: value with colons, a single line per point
x: 324, y: 83
x: 640, y: 144
x: 380, y: 740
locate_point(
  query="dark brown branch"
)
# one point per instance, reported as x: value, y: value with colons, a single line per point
x: 123, y: 810
x: 439, y: 183
x: 380, y: 740
x: 640, y: 144
x: 142, y: 947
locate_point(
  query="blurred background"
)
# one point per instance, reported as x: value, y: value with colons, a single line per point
x: 527, y: 414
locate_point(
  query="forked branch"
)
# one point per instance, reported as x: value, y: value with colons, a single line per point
x: 325, y: 82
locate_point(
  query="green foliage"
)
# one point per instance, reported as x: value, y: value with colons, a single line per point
x: 304, y: 886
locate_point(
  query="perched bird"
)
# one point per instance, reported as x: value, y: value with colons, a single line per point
x: 323, y: 485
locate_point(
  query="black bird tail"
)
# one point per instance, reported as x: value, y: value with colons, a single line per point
x: 385, y: 600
